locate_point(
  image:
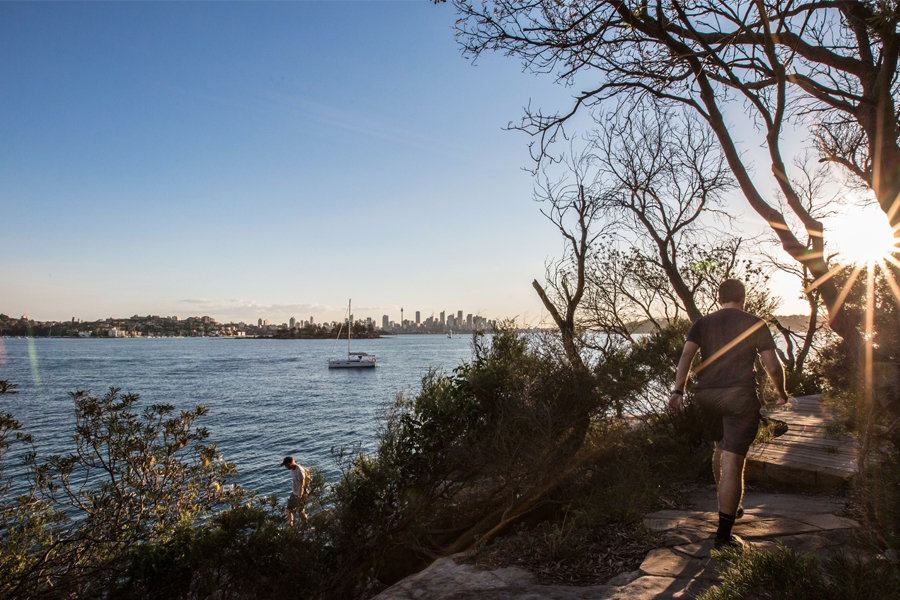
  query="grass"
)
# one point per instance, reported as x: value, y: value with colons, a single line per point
x: 784, y: 574
x: 769, y: 429
x: 835, y: 430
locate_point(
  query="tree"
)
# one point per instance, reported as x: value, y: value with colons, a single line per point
x: 578, y: 215
x: 647, y: 191
x: 829, y: 67
x: 813, y: 184
x: 664, y: 176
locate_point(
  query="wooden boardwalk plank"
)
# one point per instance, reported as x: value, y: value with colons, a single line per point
x: 807, y: 452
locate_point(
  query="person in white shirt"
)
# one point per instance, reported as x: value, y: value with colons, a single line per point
x: 299, y: 482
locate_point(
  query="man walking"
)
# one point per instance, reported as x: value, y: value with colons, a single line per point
x: 728, y: 340
x: 298, y: 490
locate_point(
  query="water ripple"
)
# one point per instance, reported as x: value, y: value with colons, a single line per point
x: 267, y: 399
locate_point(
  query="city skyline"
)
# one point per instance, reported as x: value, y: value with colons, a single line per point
x: 283, y: 317
x: 441, y: 317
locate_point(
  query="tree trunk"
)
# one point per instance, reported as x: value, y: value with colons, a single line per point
x: 566, y: 327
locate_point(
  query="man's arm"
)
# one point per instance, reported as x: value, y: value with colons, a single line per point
x: 776, y: 372
x: 676, y: 400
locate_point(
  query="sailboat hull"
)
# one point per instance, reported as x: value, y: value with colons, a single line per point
x: 341, y: 363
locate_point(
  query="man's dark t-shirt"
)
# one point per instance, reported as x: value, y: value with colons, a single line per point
x: 735, y: 367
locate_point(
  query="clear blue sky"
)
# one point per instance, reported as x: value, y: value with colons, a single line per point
x: 248, y: 160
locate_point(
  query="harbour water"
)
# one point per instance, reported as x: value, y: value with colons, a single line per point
x: 267, y: 398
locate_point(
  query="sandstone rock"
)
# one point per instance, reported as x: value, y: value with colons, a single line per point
x: 663, y: 562
x: 445, y: 579
x: 624, y: 578
x: 661, y: 588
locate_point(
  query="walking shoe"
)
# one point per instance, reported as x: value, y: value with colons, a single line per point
x: 731, y: 542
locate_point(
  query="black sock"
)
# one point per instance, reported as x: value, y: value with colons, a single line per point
x: 726, y: 522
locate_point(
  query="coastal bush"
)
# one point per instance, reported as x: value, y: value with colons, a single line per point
x: 246, y: 551
x: 132, y: 479
x: 785, y: 574
x: 466, y: 457
x: 869, y: 405
x: 590, y: 527
x: 499, y: 443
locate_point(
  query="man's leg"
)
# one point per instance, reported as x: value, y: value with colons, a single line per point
x: 731, y: 489
x: 717, y: 463
x: 731, y: 481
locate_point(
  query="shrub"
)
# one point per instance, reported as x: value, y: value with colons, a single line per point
x: 244, y: 552
x: 471, y: 453
x: 132, y: 479
x: 784, y: 574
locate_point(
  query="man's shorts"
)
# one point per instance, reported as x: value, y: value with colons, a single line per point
x: 295, y: 503
x: 730, y: 416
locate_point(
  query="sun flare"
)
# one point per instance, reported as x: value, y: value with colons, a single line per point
x: 863, y: 236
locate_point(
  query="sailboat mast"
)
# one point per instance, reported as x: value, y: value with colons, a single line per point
x: 349, y: 325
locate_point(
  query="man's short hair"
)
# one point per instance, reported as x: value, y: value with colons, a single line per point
x: 288, y: 461
x: 732, y: 290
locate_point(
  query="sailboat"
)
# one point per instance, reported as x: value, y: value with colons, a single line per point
x: 354, y: 360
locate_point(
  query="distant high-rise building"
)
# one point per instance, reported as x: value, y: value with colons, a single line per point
x: 265, y: 322
x: 469, y: 321
x: 311, y: 320
x: 293, y: 323
x: 442, y: 321
x: 259, y: 323
x: 418, y: 320
x: 459, y: 319
x: 385, y: 322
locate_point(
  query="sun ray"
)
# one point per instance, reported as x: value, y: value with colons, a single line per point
x: 831, y: 273
x: 895, y: 206
x: 893, y: 260
x: 845, y: 291
x: 892, y: 283
x: 749, y: 331
x: 870, y: 334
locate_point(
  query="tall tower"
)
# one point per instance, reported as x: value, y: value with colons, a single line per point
x: 418, y: 319
x: 401, y: 316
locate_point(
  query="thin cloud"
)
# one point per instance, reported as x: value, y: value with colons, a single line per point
x: 243, y: 309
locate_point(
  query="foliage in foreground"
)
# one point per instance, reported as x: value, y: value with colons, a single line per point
x: 144, y: 507
x: 131, y: 479
x: 784, y: 574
